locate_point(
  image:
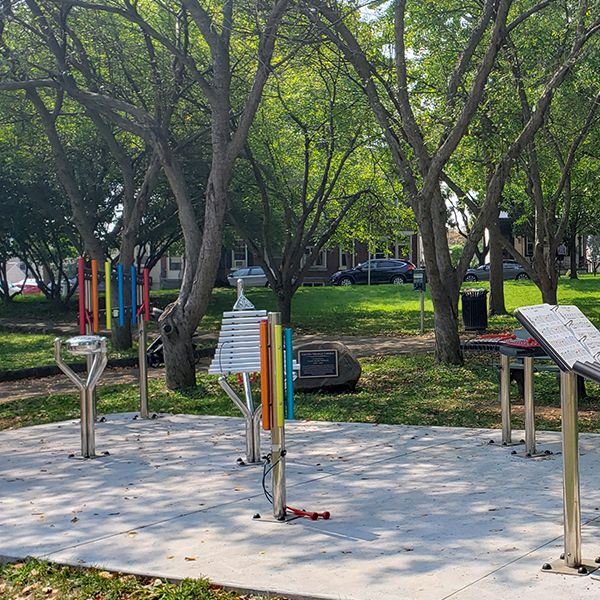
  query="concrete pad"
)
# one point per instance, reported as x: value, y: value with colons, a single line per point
x: 423, y: 513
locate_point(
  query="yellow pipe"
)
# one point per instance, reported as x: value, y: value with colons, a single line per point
x: 107, y: 294
x: 278, y: 349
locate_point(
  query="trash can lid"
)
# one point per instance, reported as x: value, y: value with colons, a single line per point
x: 85, y: 344
x: 474, y: 292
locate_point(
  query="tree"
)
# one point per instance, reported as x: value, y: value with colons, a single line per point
x: 425, y: 98
x: 210, y: 48
x: 311, y: 163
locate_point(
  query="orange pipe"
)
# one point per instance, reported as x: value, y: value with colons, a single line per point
x: 95, y: 295
x: 265, y: 380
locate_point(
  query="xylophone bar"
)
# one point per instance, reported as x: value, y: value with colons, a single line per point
x: 107, y: 302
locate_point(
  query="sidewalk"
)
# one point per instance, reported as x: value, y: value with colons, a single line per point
x: 422, y: 513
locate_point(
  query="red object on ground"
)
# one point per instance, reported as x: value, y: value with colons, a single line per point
x: 312, y: 515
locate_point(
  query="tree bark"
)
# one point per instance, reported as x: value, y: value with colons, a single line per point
x: 497, y: 305
x: 573, y: 251
x: 284, y: 304
x: 444, y: 290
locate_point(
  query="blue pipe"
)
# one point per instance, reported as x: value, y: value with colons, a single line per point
x: 289, y: 373
x: 121, y: 295
x: 133, y: 295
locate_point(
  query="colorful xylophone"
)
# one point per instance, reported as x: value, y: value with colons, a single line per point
x: 88, y: 279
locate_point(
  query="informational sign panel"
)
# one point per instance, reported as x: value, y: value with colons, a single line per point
x: 318, y: 363
x: 419, y: 280
x: 566, y: 334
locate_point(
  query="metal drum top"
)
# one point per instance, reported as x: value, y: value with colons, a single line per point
x: 85, y: 344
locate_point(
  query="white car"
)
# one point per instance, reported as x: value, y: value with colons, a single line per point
x: 251, y: 276
x: 13, y: 289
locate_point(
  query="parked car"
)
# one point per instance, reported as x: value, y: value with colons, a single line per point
x: 383, y: 270
x: 251, y: 276
x: 28, y: 286
x: 13, y: 288
x: 511, y: 269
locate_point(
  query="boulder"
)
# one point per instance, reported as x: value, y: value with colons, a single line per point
x: 325, y: 366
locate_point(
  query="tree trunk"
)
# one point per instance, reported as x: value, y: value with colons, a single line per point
x: 549, y: 291
x: 444, y: 295
x: 176, y: 332
x: 284, y: 304
x: 445, y: 317
x: 180, y: 319
x: 573, y: 252
x: 497, y: 305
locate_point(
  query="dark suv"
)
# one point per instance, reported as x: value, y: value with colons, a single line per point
x: 383, y: 270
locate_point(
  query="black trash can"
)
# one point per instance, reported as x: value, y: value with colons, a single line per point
x: 474, y: 309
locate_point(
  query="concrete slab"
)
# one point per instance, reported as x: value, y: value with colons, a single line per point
x: 423, y: 513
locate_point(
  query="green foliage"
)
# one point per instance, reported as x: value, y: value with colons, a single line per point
x: 406, y: 389
x: 36, y: 579
x: 385, y: 310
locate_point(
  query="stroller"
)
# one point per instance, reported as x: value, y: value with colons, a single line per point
x: 155, y: 351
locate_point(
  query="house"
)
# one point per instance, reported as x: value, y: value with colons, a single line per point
x: 168, y: 272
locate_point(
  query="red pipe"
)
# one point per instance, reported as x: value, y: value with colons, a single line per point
x: 146, y: 294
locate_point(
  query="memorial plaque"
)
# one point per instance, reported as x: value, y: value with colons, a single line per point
x: 318, y: 363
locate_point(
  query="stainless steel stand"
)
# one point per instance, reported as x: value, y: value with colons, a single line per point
x: 278, y: 451
x: 143, y: 365
x: 94, y: 348
x: 505, y: 399
x: 529, y: 406
x: 251, y: 416
x: 572, y: 563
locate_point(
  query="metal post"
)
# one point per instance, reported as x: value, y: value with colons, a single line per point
x: 278, y: 426
x: 422, y: 311
x: 505, y: 398
x: 252, y: 427
x: 95, y: 347
x: 529, y: 406
x: 143, y: 365
x: 88, y: 443
x: 570, y: 447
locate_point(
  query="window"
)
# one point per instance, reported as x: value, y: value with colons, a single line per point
x: 239, y: 255
x: 347, y: 260
x: 320, y: 261
x: 528, y: 246
x: 175, y: 263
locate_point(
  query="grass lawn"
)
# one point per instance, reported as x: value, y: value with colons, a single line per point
x: 34, y: 580
x: 405, y: 389
x: 21, y: 351
x: 356, y: 310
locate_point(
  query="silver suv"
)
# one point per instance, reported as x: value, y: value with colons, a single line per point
x: 511, y: 269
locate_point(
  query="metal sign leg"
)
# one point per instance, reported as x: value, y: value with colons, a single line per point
x: 143, y: 365
x: 252, y: 440
x: 505, y: 399
x: 529, y: 406
x: 570, y: 442
x: 278, y: 458
x: 572, y: 563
